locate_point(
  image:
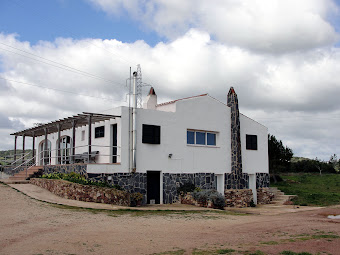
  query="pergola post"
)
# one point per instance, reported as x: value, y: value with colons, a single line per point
x: 45, y: 148
x: 89, y: 137
x: 23, y: 148
x: 58, y: 146
x: 73, y: 140
x: 15, y: 148
x: 33, y: 144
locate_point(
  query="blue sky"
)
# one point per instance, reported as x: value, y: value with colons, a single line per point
x: 277, y: 54
x: 47, y: 20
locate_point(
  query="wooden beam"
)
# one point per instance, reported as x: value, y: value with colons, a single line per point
x: 15, y: 148
x: 23, y: 148
x: 90, y: 136
x: 33, y: 145
x: 45, y: 148
x: 74, y: 122
x: 58, y: 145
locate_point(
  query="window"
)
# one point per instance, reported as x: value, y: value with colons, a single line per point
x: 99, y: 132
x: 151, y: 134
x: 251, y: 142
x: 201, y: 138
x: 83, y: 135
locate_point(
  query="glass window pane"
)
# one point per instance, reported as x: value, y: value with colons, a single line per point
x: 211, y: 139
x: 200, y: 138
x: 190, y: 137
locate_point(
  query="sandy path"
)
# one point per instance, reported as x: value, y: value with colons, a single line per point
x: 28, y: 226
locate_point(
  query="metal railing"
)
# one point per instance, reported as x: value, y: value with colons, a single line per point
x: 26, y: 165
x: 18, y: 157
x: 81, y: 155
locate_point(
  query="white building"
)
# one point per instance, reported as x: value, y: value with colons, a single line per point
x: 197, y: 139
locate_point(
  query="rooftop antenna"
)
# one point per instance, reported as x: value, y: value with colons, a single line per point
x: 139, y: 86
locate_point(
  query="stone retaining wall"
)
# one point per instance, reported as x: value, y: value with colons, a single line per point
x: 86, y: 193
x: 76, y: 168
x: 264, y: 196
x: 238, y: 197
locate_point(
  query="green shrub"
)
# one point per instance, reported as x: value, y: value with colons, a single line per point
x: 185, y: 188
x: 214, y: 196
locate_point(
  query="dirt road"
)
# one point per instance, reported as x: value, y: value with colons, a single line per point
x: 28, y: 226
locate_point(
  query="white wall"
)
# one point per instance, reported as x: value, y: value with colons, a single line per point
x: 202, y: 113
x: 254, y: 161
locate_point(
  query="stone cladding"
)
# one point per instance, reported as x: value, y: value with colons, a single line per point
x: 86, y: 193
x: 76, y: 168
x: 238, y: 197
x: 236, y: 156
x: 172, y: 181
x: 262, y: 180
x: 130, y: 182
x: 264, y: 196
x: 242, y: 180
x: 10, y: 170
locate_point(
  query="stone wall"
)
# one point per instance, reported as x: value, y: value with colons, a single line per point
x: 84, y: 193
x: 173, y: 181
x: 241, y: 180
x: 264, y: 196
x: 77, y: 168
x: 130, y: 182
x: 262, y: 180
x: 238, y: 197
x: 9, y: 170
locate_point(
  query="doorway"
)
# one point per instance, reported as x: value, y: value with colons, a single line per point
x: 114, y: 143
x: 153, y: 187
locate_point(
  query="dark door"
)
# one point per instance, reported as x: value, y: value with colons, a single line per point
x: 114, y: 143
x: 153, y: 186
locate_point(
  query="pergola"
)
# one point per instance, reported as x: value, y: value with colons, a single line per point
x: 85, y: 118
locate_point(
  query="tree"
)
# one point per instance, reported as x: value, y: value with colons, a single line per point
x: 335, y: 162
x: 279, y: 156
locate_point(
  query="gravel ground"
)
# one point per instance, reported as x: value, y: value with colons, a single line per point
x: 28, y: 226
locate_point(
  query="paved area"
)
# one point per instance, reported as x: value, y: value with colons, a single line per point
x: 42, y: 194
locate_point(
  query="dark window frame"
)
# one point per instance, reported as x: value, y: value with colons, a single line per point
x: 251, y: 142
x: 99, y: 132
x: 151, y: 134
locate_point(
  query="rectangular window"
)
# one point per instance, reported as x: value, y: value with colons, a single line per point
x: 251, y: 142
x: 211, y: 139
x: 99, y: 132
x: 151, y: 134
x: 201, y: 138
x: 190, y: 137
x: 83, y: 135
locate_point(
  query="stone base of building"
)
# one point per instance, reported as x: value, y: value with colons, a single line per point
x: 238, y: 197
x: 264, y: 196
x: 137, y: 182
x: 86, y: 193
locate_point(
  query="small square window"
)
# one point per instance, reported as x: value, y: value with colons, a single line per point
x: 200, y: 138
x: 211, y: 139
x: 251, y: 142
x: 190, y: 137
x: 151, y: 134
x: 99, y: 132
x: 83, y: 135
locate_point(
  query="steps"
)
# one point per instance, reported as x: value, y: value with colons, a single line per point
x: 23, y: 175
x: 280, y: 197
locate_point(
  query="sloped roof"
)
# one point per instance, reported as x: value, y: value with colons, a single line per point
x: 174, y: 101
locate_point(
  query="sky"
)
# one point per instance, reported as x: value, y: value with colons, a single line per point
x: 61, y: 57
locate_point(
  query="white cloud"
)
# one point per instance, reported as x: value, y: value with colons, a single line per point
x: 261, y: 25
x: 294, y: 94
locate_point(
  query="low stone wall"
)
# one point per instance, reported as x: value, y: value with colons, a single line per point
x: 264, y: 196
x: 238, y: 197
x: 189, y: 200
x: 86, y: 193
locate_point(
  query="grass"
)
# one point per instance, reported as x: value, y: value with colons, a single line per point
x: 312, y: 189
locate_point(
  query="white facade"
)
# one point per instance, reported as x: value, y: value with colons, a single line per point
x: 202, y: 113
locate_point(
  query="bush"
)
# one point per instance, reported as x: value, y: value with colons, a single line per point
x: 185, y: 188
x: 214, y: 196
